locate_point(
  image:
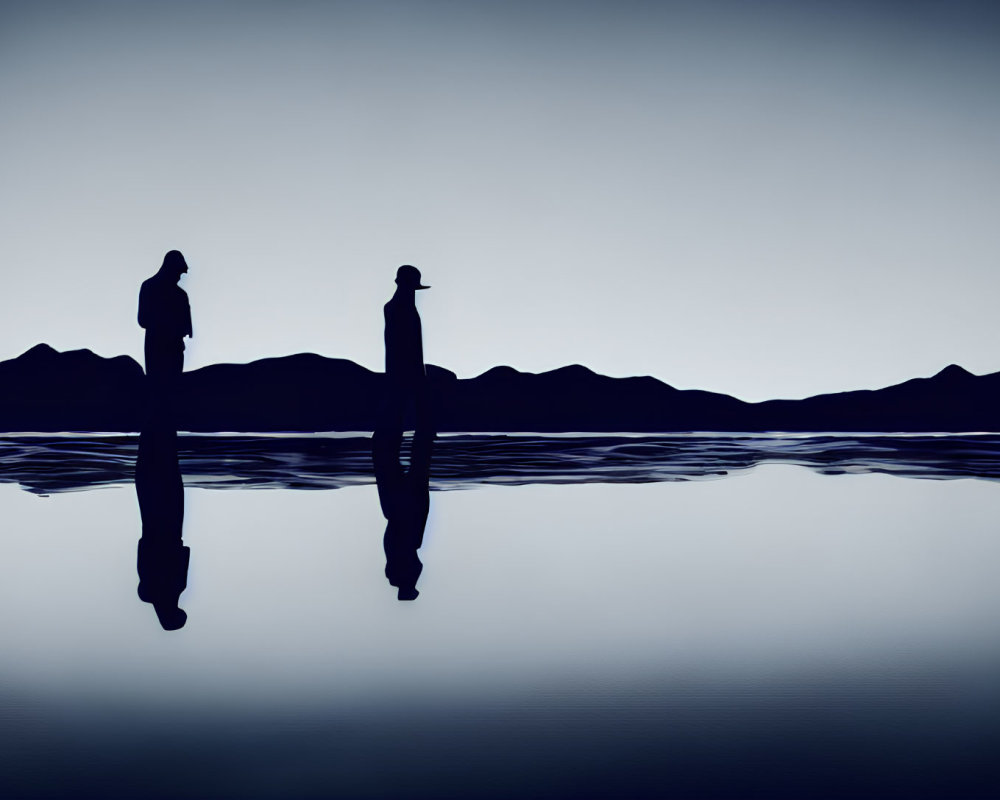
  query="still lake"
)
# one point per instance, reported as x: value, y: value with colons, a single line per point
x: 691, y: 617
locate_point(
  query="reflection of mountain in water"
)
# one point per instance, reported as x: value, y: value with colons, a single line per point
x: 45, y: 464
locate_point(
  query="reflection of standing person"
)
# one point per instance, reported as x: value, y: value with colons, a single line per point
x: 163, y: 557
x: 404, y: 495
x: 166, y: 315
x: 405, y: 375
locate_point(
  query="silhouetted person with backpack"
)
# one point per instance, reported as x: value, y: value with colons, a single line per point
x: 406, y: 377
x: 165, y: 313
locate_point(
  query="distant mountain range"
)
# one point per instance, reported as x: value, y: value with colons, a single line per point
x: 46, y: 390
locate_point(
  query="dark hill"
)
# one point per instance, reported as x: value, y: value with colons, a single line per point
x: 576, y: 399
x: 952, y: 400
x: 45, y: 390
x: 300, y: 392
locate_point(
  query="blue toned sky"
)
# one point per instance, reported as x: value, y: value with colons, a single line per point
x: 770, y: 199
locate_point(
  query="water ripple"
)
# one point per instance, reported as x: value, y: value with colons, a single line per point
x: 45, y: 464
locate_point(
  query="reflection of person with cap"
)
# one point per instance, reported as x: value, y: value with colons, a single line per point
x: 405, y: 499
x: 406, y: 377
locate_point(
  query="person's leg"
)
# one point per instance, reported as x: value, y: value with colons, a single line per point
x: 423, y: 407
x: 393, y: 409
x: 164, y: 366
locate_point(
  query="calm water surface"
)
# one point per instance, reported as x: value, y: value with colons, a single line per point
x: 778, y: 633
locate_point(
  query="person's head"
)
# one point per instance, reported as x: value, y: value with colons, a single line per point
x: 174, y: 265
x: 408, y: 277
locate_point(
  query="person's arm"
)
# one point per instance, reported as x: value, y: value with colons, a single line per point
x: 143, y: 308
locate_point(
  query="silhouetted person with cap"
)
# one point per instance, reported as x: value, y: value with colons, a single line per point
x: 165, y: 313
x: 403, y: 494
x: 163, y: 558
x: 406, y: 377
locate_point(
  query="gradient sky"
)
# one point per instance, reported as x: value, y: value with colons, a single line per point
x: 770, y: 199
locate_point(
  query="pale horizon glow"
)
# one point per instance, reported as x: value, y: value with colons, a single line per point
x: 769, y: 200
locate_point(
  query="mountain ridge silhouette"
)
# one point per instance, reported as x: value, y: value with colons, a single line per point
x: 46, y: 390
